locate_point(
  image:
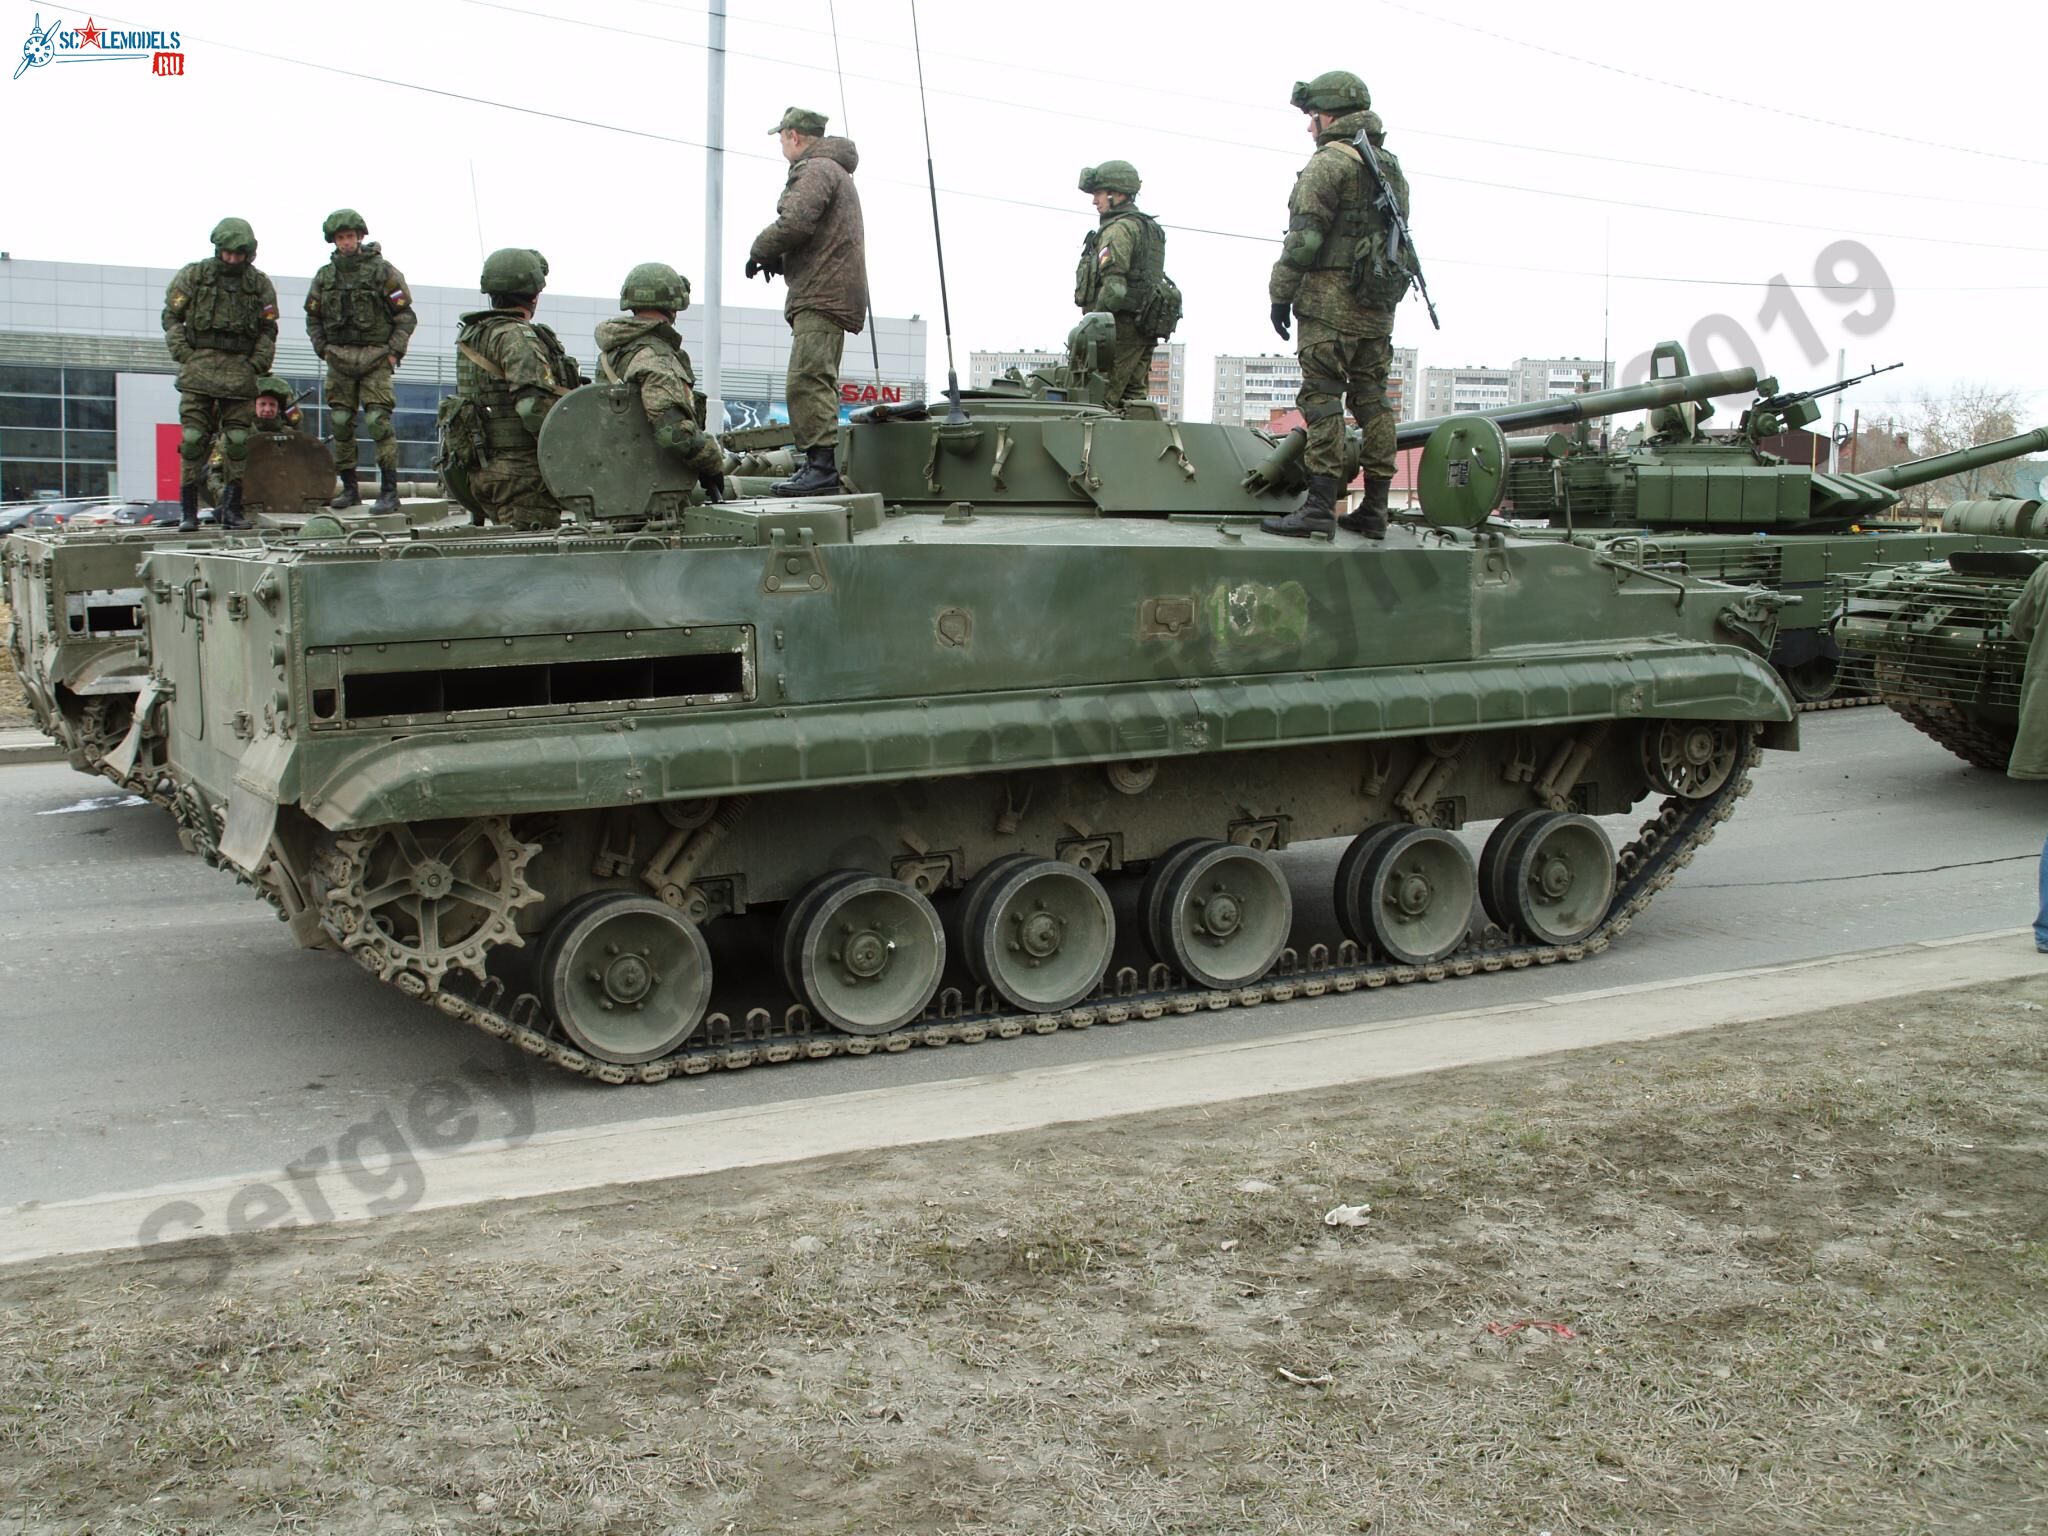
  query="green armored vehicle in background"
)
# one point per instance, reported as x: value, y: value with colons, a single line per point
x: 1033, y: 691
x: 1724, y: 508
x: 1935, y: 639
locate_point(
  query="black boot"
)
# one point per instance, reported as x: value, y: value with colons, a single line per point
x: 1371, y: 517
x: 230, y: 508
x: 387, y: 498
x: 351, y: 493
x: 188, y: 508
x: 1316, y: 514
x: 818, y: 475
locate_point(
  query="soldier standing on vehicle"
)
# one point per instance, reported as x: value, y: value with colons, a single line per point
x: 509, y: 372
x: 642, y: 349
x: 1337, y: 276
x: 819, y: 246
x: 2029, y: 758
x: 1123, y: 273
x: 220, y: 323
x: 359, y: 317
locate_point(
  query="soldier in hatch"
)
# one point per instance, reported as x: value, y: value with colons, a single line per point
x: 1123, y: 273
x: 819, y: 242
x: 359, y: 317
x: 277, y: 409
x: 642, y: 349
x: 1334, y: 275
x: 509, y: 371
x: 220, y: 323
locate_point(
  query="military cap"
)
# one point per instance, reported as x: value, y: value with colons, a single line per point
x: 810, y: 124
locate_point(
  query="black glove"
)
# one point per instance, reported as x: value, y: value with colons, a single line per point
x: 753, y: 266
x: 771, y: 268
x: 714, y: 485
x: 1281, y: 321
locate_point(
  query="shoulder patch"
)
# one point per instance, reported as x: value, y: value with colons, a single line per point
x: 270, y: 311
x: 179, y: 299
x: 312, y: 303
x: 1102, y: 257
x: 399, y: 298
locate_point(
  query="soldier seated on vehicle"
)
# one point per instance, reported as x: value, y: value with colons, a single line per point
x: 643, y: 350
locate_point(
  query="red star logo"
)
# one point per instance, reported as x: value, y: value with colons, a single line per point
x: 89, y: 35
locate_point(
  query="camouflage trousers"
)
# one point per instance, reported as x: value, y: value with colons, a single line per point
x: 510, y: 490
x: 1339, y: 368
x: 815, y: 347
x: 373, y: 395
x: 1130, y: 364
x: 203, y: 416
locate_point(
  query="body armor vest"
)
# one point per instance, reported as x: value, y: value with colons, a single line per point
x: 226, y: 313
x: 1148, y: 263
x: 355, y: 304
x: 1359, y: 221
x: 503, y: 430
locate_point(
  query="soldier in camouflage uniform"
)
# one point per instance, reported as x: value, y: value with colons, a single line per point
x: 1334, y: 274
x: 819, y: 241
x: 1123, y: 273
x: 277, y: 406
x: 220, y: 323
x: 642, y: 349
x: 511, y: 371
x: 359, y: 317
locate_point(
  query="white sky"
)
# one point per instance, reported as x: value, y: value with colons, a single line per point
x: 1690, y: 156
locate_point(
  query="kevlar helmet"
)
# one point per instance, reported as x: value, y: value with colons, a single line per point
x: 235, y: 235
x: 344, y: 218
x: 514, y: 270
x: 655, y: 285
x: 1111, y: 176
x: 271, y: 384
x: 1336, y: 90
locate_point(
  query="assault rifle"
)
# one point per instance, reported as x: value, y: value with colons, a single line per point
x: 1390, y: 205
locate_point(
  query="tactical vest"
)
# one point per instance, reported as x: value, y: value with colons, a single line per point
x: 224, y: 316
x: 615, y: 362
x: 355, y: 303
x: 503, y: 430
x: 1148, y: 263
x: 1360, y: 228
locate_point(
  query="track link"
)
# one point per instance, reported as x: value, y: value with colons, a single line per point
x: 1973, y: 743
x: 1663, y: 845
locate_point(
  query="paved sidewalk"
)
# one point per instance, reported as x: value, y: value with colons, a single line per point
x: 26, y: 744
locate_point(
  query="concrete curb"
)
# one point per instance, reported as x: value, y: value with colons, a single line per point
x: 964, y: 1108
x: 18, y: 746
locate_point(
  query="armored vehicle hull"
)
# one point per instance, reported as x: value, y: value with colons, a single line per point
x: 1935, y: 641
x: 944, y: 755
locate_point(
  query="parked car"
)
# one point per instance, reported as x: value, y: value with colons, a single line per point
x: 15, y: 513
x: 58, y: 514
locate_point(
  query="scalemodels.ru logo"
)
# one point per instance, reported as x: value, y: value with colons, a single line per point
x: 92, y: 44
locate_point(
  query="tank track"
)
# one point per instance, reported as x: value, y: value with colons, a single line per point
x: 1975, y: 745
x: 1663, y: 845
x: 1839, y: 701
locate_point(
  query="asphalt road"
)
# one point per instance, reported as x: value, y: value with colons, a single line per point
x: 157, y: 1024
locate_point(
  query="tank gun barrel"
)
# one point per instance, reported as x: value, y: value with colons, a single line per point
x: 1601, y: 402
x: 1899, y: 477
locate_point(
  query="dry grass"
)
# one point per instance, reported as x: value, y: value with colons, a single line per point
x: 1805, y: 1266
x: 13, y: 703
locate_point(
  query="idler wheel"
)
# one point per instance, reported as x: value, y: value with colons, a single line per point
x: 1217, y: 912
x: 1406, y: 892
x: 1560, y: 878
x: 626, y: 977
x: 1038, y: 931
x: 1690, y: 758
x: 866, y: 952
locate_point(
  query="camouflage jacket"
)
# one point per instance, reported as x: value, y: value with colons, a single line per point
x: 501, y: 358
x: 220, y: 324
x: 1122, y: 260
x: 649, y: 356
x: 2030, y: 747
x: 1331, y: 222
x: 360, y: 303
x: 819, y: 237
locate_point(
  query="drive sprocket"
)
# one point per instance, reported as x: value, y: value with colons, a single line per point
x: 411, y: 901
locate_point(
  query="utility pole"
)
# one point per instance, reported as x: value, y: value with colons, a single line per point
x: 714, y: 219
x: 1835, y: 432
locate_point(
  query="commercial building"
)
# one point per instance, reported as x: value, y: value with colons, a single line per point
x: 89, y: 404
x: 1166, y: 387
x: 1449, y: 391
x: 1250, y: 390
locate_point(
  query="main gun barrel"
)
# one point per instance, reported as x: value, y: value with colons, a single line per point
x: 1588, y: 407
x: 1899, y: 477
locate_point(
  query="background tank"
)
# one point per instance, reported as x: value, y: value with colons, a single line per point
x: 1935, y: 640
x: 1004, y: 738
x: 1723, y: 507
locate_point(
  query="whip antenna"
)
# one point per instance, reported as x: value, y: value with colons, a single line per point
x: 846, y: 122
x: 938, y: 242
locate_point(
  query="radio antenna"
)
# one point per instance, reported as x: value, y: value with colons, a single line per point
x: 846, y: 122
x: 938, y: 241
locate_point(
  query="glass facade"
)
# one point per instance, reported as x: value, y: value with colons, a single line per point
x: 414, y: 421
x: 56, y: 431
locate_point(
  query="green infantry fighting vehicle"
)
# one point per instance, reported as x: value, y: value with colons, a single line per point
x: 1035, y: 671
x: 1726, y: 509
x: 1934, y: 636
x: 77, y: 637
